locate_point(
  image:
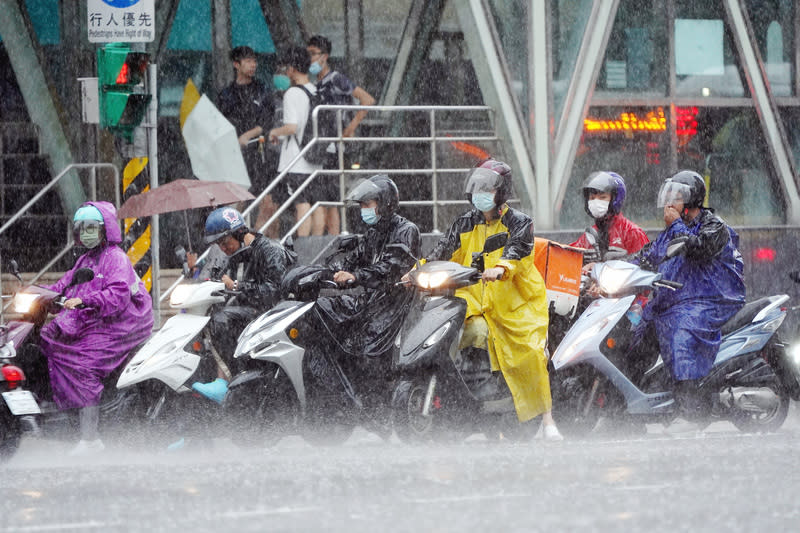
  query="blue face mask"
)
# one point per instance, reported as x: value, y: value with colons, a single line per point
x: 315, y: 68
x: 281, y: 82
x: 483, y: 201
x: 369, y: 216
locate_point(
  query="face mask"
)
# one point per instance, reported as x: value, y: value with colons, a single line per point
x: 483, y: 201
x: 281, y: 82
x: 369, y: 216
x: 315, y: 68
x: 90, y: 237
x: 598, y: 208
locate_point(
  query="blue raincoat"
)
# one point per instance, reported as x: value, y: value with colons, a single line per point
x: 83, y: 346
x: 688, y: 321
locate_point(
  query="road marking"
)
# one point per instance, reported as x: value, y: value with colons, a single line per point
x: 277, y: 510
x: 76, y: 526
x: 468, y: 498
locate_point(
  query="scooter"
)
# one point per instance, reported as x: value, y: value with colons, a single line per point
x: 276, y: 395
x: 28, y: 383
x: 596, y: 375
x: 181, y: 352
x: 442, y: 391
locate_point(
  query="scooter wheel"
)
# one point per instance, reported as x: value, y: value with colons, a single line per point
x: 408, y: 421
x: 9, y: 435
x: 766, y: 421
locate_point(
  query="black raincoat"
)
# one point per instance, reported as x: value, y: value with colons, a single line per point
x: 367, y: 323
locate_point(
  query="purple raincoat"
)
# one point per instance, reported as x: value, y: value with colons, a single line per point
x: 83, y: 346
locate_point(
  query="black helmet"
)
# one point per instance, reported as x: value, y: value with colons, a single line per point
x: 686, y: 186
x: 490, y: 175
x: 225, y: 221
x: 380, y: 188
x: 608, y: 182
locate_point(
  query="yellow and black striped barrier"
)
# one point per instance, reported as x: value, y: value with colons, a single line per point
x: 136, y: 238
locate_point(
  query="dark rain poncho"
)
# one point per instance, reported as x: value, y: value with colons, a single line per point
x: 83, y: 346
x: 688, y: 321
x: 367, y: 323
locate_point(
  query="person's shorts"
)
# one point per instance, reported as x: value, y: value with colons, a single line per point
x: 293, y: 182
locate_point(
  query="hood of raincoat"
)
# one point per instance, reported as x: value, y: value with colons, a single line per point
x: 109, y: 212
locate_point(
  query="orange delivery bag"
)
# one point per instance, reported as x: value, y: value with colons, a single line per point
x: 560, y: 266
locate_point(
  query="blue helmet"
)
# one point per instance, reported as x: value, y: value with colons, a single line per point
x: 609, y: 182
x: 88, y: 212
x: 224, y: 221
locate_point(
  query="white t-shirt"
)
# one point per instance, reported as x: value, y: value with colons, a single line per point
x: 295, y: 111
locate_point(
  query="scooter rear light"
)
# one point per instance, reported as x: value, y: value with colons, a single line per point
x: 13, y: 376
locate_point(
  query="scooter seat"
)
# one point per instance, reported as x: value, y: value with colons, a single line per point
x: 745, y: 315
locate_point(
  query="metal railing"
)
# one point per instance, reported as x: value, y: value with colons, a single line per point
x: 434, y: 137
x: 52, y: 183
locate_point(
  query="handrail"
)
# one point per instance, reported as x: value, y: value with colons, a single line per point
x: 50, y: 185
x: 432, y: 138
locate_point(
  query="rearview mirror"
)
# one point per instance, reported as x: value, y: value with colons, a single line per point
x: 676, y: 246
x: 495, y: 242
x: 82, y: 275
x: 180, y: 253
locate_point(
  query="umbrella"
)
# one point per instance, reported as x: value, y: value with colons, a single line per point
x: 213, y: 145
x: 180, y: 195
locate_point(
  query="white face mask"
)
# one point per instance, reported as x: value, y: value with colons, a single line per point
x: 598, y: 208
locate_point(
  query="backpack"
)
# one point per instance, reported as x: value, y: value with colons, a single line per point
x: 318, y: 153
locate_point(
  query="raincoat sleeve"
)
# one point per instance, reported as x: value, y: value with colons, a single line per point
x: 449, y: 247
x: 395, y: 259
x: 520, y: 241
x: 269, y: 263
x: 709, y: 241
x: 115, y: 292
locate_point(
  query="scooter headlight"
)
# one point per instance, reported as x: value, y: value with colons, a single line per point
x: 180, y: 294
x: 611, y: 281
x: 431, y: 280
x: 23, y: 302
x: 794, y: 355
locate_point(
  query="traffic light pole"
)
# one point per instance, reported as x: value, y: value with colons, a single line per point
x: 152, y: 149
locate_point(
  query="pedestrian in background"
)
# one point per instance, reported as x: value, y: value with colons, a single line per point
x: 335, y: 89
x: 247, y: 104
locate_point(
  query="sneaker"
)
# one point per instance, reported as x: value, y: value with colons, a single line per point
x: 87, y: 447
x: 550, y: 433
x: 177, y: 445
x: 215, y: 390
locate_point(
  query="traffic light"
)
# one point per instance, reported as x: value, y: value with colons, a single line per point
x: 123, y: 98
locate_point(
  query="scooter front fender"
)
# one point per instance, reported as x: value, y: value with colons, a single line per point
x: 163, y: 356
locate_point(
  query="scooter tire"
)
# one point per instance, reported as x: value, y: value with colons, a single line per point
x: 10, y: 433
x: 751, y: 422
x: 570, y: 411
x: 260, y: 414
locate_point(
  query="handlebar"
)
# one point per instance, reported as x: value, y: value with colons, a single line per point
x: 667, y: 284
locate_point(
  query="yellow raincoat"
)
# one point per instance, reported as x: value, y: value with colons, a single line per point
x: 515, y: 307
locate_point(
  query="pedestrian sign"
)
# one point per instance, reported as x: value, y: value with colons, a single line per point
x: 121, y: 21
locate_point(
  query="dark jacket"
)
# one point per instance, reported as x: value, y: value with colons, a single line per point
x: 367, y: 323
x: 259, y: 269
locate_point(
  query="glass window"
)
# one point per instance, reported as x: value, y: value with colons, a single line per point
x: 773, y: 26
x: 727, y: 145
x: 632, y: 141
x: 706, y: 63
x: 511, y: 21
x: 568, y: 23
x: 636, y: 57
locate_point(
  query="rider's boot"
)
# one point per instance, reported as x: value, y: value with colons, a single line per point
x: 90, y: 439
x: 694, y: 408
x: 214, y: 390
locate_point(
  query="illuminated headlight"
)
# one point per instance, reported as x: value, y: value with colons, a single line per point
x: 23, y: 302
x: 436, y: 336
x: 431, y: 280
x: 180, y: 294
x: 611, y: 281
x: 794, y: 355
x: 398, y: 340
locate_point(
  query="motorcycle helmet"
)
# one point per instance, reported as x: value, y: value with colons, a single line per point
x: 224, y: 221
x: 686, y: 186
x: 487, y: 176
x: 88, y: 220
x: 605, y: 182
x: 380, y: 188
